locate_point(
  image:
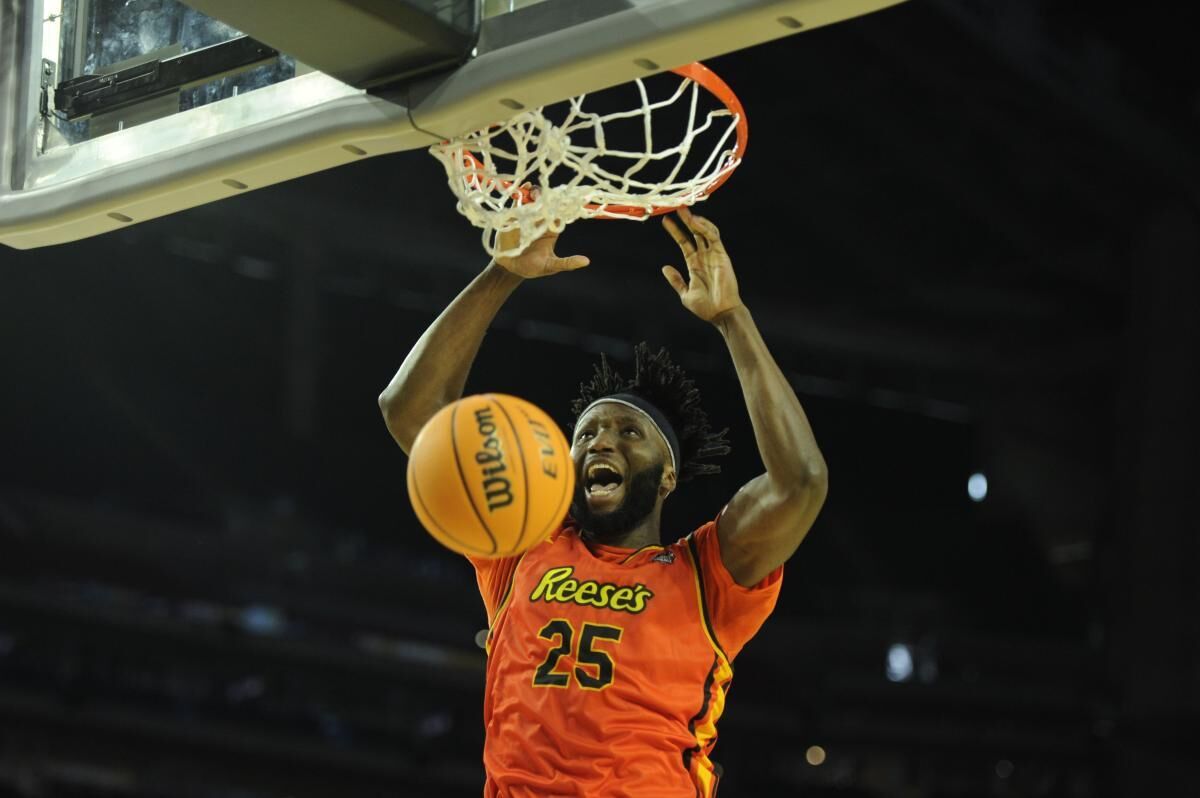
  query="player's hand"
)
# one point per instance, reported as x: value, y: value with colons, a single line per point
x: 711, y: 287
x: 538, y: 259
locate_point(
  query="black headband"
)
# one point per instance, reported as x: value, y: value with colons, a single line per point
x: 656, y: 417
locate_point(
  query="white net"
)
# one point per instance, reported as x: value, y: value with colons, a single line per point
x: 579, y: 169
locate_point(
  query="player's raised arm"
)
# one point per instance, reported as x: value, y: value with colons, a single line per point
x: 435, y: 372
x: 766, y: 520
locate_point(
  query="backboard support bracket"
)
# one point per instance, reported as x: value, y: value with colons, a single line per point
x: 79, y: 98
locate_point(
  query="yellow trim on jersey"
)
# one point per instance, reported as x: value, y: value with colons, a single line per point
x: 512, y: 582
x: 709, y: 632
x: 639, y: 551
x: 704, y: 728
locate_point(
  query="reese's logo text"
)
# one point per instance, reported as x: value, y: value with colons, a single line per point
x: 557, y: 585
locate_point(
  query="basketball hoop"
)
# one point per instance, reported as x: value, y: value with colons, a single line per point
x: 487, y: 168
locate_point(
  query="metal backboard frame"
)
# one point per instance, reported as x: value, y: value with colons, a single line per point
x: 539, y: 54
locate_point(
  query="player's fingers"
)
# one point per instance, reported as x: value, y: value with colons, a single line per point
x: 681, y: 237
x: 701, y: 227
x: 675, y: 279
x: 702, y: 243
x: 509, y: 239
x: 573, y: 262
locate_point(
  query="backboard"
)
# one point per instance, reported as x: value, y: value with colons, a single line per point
x: 115, y: 112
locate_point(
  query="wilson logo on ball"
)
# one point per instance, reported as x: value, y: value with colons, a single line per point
x: 496, y: 488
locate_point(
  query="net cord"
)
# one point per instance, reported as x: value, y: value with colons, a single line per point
x: 488, y: 195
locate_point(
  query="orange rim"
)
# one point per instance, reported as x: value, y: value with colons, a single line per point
x: 706, y: 78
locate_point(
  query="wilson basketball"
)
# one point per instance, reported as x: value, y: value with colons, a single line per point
x: 490, y: 475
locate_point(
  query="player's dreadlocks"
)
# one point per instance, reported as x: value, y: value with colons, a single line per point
x: 667, y: 387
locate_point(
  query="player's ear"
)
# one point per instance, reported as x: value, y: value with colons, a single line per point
x: 666, y: 485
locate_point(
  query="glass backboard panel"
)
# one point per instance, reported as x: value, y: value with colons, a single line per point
x: 99, y: 37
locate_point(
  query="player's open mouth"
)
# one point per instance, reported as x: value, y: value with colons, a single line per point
x: 601, y: 481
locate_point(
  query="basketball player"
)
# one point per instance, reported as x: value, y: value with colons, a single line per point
x: 610, y: 653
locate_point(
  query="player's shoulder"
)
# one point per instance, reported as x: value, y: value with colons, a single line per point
x: 697, y: 537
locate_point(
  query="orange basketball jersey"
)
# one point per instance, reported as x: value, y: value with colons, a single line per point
x: 608, y: 667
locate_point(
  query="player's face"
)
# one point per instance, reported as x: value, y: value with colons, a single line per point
x: 619, y: 461
x: 641, y: 496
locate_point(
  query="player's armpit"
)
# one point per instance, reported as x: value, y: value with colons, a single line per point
x: 764, y: 524
x: 495, y: 578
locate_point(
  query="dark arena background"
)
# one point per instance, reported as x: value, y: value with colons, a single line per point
x: 969, y: 232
